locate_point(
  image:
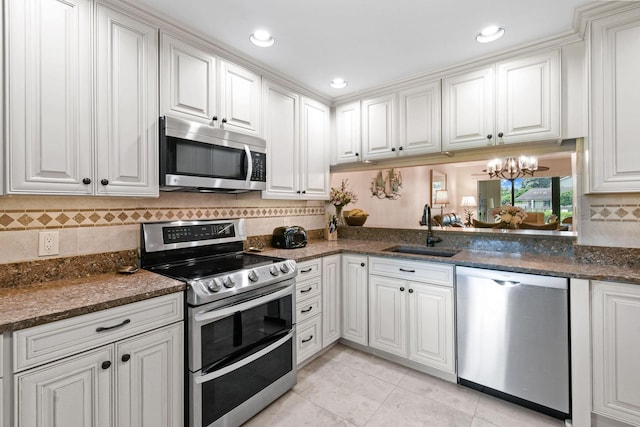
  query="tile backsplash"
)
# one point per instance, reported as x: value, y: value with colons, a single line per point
x: 89, y: 225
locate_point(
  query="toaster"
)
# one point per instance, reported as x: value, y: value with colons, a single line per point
x: 289, y: 237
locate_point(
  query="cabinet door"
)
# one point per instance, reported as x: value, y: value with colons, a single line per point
x: 240, y: 92
x: 431, y: 332
x: 150, y: 379
x: 188, y: 81
x: 331, y: 298
x: 388, y: 315
x: 379, y: 127
x: 348, y: 137
x: 528, y: 103
x: 614, y: 124
x: 75, y: 392
x: 468, y: 109
x: 127, y: 105
x: 616, y: 345
x: 314, y: 150
x: 281, y: 133
x: 420, y: 120
x: 49, y: 96
x: 354, y: 298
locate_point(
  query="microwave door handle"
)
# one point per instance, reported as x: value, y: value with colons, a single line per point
x: 247, y: 181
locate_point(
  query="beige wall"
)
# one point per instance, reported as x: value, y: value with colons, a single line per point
x: 90, y: 225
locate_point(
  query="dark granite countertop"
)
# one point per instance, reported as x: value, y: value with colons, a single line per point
x: 31, y: 305
x: 516, y: 262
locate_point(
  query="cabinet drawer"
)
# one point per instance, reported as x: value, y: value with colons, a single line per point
x: 308, y: 308
x: 421, y: 271
x: 41, y: 344
x: 308, y: 338
x: 309, y: 269
x: 308, y: 288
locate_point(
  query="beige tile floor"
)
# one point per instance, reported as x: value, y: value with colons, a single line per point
x: 346, y: 387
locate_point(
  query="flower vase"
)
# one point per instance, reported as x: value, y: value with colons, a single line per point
x: 339, y: 216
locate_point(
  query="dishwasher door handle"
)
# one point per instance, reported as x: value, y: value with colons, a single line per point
x: 506, y: 283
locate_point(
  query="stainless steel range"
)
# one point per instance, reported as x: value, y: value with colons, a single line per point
x: 240, y: 324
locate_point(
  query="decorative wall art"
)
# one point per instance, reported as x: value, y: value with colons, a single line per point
x: 388, y: 187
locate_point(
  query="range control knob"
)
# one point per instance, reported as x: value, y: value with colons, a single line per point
x: 228, y: 282
x: 284, y: 268
x: 214, y: 285
x: 253, y: 276
x: 274, y: 271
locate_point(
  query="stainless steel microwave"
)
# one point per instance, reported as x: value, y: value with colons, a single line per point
x: 197, y: 157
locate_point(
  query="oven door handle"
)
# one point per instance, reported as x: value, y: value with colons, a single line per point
x: 216, y: 374
x: 220, y: 313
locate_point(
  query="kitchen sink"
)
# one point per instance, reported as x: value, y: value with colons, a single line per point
x: 423, y: 250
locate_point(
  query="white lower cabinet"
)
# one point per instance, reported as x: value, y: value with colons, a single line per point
x: 354, y: 299
x: 136, y: 380
x: 331, y: 298
x: 411, y: 311
x: 308, y: 309
x: 615, y: 310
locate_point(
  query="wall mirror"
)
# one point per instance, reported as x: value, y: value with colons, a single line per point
x: 438, y: 182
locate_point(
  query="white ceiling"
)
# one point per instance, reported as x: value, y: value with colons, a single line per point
x: 369, y: 42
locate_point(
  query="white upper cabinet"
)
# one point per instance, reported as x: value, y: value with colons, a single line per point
x: 528, y: 103
x: 314, y: 150
x: 126, y: 105
x: 379, y: 133
x: 297, y: 133
x: 468, y: 109
x: 240, y: 99
x: 56, y: 146
x: 281, y: 132
x: 419, y: 122
x: 188, y: 80
x: 49, y: 96
x: 615, y: 102
x: 348, y: 147
x: 514, y: 101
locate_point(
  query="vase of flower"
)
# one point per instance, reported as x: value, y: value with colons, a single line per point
x: 510, y: 216
x: 340, y: 197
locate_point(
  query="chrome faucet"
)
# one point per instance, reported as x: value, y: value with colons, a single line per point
x: 426, y: 220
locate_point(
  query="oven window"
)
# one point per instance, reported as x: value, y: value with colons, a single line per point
x: 225, y: 393
x: 245, y: 331
x: 215, y: 161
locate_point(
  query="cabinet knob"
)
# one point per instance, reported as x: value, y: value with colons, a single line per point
x: 400, y: 148
x: 224, y: 121
x: 500, y: 134
x: 410, y: 291
x: 357, y: 154
x: 362, y: 264
x: 104, y: 181
x: 402, y: 289
x: 298, y: 192
x: 126, y: 357
x: 500, y: 140
x: 393, y: 149
x: 106, y: 365
x: 489, y: 136
x: 214, y: 118
x: 86, y: 181
x: 304, y: 191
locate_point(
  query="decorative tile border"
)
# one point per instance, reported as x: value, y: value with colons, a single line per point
x: 615, y: 213
x: 12, y: 220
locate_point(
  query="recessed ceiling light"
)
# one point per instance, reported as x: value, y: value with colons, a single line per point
x: 338, y: 83
x: 490, y: 34
x: 261, y: 38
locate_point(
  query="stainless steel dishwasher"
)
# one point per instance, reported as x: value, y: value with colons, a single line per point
x: 513, y: 337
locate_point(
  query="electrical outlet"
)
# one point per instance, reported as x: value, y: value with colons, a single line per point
x: 48, y: 243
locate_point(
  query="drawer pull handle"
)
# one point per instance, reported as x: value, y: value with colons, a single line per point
x: 407, y: 270
x: 307, y: 310
x: 306, y: 270
x: 308, y: 339
x: 304, y: 291
x: 108, y: 328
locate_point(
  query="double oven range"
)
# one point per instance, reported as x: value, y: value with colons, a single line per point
x: 240, y: 325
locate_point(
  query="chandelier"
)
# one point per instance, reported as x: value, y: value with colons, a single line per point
x: 512, y: 168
